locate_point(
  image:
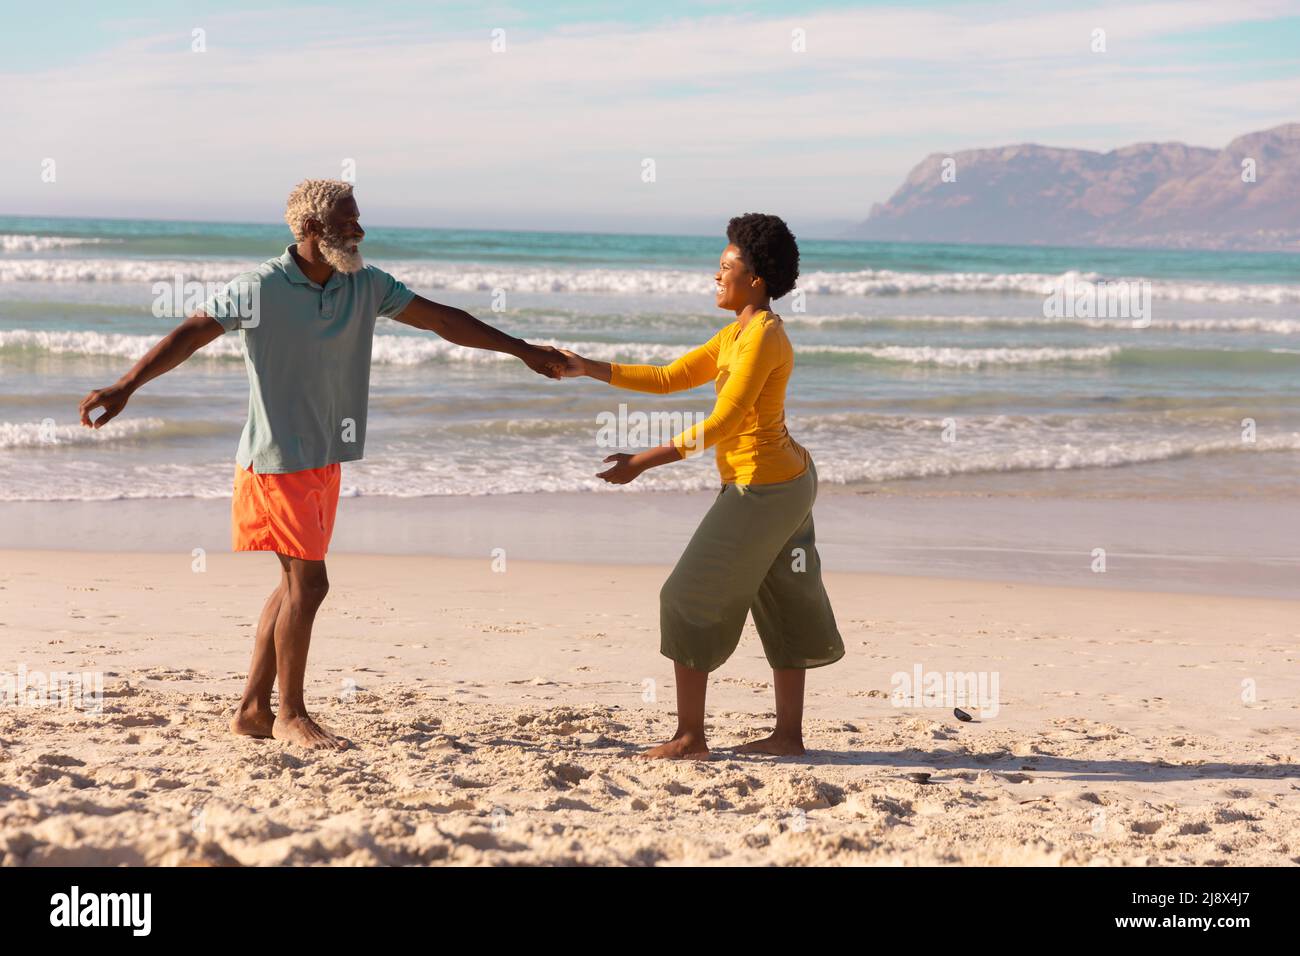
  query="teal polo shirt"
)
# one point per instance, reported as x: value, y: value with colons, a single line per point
x: 307, y: 351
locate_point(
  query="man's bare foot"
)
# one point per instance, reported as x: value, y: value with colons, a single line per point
x: 305, y: 732
x: 256, y: 722
x: 681, y: 747
x: 780, y: 746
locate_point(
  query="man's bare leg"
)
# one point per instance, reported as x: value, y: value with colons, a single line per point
x: 254, y: 716
x: 787, y: 739
x: 308, y: 585
x: 689, y: 740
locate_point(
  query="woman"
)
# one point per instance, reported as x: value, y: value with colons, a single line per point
x: 755, y: 548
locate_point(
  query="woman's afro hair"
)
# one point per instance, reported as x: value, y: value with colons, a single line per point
x: 769, y: 250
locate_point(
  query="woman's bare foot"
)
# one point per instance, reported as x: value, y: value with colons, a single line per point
x: 253, y: 722
x: 305, y: 732
x: 782, y: 746
x: 684, y: 746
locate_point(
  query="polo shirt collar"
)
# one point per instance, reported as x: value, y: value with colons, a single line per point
x: 296, y: 275
x: 291, y: 268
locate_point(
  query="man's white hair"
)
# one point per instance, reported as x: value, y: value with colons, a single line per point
x: 313, y: 199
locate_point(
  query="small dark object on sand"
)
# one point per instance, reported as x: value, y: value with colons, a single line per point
x: 919, y: 777
x: 961, y: 714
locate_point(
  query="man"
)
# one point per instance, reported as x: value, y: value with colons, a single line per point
x: 306, y: 321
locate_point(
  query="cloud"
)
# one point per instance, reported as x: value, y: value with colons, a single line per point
x: 558, y: 124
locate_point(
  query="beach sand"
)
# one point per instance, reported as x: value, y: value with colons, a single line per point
x: 494, y: 715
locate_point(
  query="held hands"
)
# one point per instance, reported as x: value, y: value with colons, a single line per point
x: 555, y: 363
x: 112, y: 399
x: 575, y: 366
x: 626, y: 469
x: 545, y: 360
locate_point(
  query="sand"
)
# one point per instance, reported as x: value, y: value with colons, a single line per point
x: 494, y: 717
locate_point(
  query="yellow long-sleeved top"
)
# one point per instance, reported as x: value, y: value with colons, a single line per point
x: 750, y: 369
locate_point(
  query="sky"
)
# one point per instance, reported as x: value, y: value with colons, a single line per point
x: 555, y: 126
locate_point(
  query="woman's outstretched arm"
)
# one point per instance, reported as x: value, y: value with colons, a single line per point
x: 693, y: 369
x: 759, y: 355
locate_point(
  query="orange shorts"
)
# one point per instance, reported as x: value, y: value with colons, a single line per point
x: 290, y: 514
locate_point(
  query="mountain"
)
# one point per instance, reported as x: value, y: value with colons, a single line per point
x: 1150, y: 194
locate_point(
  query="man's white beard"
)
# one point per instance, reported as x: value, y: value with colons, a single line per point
x: 340, y: 257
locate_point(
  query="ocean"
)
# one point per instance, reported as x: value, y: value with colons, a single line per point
x: 918, y: 366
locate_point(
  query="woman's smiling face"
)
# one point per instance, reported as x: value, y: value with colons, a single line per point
x: 735, y: 285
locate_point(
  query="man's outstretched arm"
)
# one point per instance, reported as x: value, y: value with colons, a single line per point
x: 461, y: 328
x: 173, y: 349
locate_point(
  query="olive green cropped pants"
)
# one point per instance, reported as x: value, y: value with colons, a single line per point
x: 754, y: 551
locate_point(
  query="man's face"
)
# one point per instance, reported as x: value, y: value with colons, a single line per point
x: 341, y: 236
